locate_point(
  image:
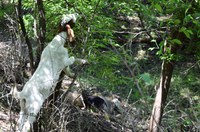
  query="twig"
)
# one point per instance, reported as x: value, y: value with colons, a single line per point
x: 197, y: 63
x: 128, y: 67
x: 123, y: 59
x: 143, y: 25
x: 129, y: 95
x: 6, y: 95
x: 139, y: 88
x: 89, y: 28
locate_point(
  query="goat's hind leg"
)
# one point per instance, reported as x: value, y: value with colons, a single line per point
x: 29, y: 123
x: 22, y: 115
x: 32, y: 113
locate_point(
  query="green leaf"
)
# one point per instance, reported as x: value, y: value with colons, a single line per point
x: 186, y: 31
x: 177, y: 41
x: 177, y: 22
x: 146, y: 78
x: 187, y: 34
x: 158, y: 7
x: 190, y: 31
x: 182, y: 29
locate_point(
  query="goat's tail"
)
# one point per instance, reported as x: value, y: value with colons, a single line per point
x: 15, y: 92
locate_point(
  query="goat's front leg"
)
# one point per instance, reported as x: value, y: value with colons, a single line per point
x: 68, y: 72
x: 69, y: 61
x: 81, y: 61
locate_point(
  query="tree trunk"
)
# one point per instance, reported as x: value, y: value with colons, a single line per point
x: 56, y: 92
x: 161, y: 96
x: 21, y: 22
x: 40, y: 28
x: 40, y: 31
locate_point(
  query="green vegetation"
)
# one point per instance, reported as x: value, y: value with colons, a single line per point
x: 107, y: 34
x: 8, y: 9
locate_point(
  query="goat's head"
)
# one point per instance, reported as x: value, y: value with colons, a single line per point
x: 67, y: 23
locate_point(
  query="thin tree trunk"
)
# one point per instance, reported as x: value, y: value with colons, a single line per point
x: 161, y: 96
x: 40, y: 31
x: 21, y: 22
x: 56, y: 92
x: 40, y: 28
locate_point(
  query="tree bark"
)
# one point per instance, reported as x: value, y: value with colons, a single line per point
x: 40, y: 28
x: 56, y: 93
x: 40, y: 31
x: 22, y: 25
x: 161, y: 96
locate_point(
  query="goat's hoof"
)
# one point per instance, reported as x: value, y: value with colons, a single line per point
x: 84, y: 62
x: 72, y: 58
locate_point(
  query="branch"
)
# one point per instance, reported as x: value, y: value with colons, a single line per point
x: 143, y: 25
x: 129, y: 69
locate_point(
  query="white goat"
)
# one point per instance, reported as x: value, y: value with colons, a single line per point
x: 54, y: 59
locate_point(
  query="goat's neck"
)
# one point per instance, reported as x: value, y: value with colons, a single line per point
x: 59, y: 39
x: 63, y: 35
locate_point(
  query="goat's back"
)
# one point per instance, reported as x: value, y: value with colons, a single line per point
x: 51, y: 64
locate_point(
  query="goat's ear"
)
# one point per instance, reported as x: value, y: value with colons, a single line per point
x: 71, y: 35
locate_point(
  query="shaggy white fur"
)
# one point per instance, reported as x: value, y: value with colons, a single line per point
x: 54, y: 59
